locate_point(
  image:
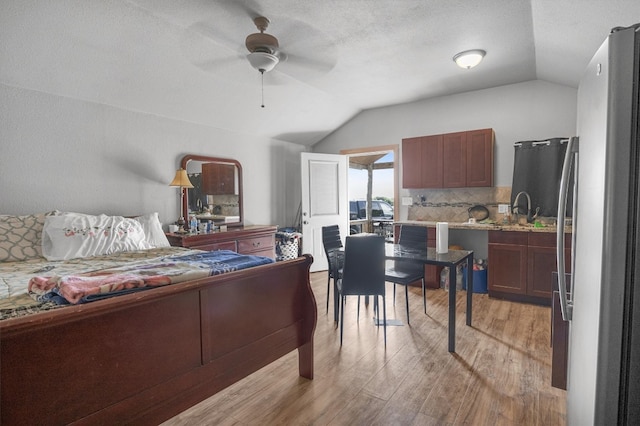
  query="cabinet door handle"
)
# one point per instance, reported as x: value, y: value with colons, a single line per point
x: 256, y: 244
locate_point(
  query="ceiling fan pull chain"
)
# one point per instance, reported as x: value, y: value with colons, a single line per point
x: 262, y: 88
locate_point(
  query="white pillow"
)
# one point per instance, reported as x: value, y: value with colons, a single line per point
x: 153, y: 232
x: 73, y: 235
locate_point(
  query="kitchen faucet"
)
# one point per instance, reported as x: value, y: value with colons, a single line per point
x: 515, y: 208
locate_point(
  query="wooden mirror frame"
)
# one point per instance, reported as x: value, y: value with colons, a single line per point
x: 205, y: 159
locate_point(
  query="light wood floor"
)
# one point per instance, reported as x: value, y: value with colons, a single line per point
x: 499, y: 375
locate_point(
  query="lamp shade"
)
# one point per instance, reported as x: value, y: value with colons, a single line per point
x: 469, y: 58
x: 181, y: 179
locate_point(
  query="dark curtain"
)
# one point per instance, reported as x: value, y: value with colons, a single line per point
x: 537, y: 170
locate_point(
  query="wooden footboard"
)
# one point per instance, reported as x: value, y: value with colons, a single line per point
x: 145, y: 357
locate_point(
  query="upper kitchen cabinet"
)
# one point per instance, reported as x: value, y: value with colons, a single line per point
x: 422, y: 162
x: 480, y: 157
x: 452, y: 160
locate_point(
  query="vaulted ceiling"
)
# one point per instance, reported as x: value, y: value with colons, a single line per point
x: 185, y: 59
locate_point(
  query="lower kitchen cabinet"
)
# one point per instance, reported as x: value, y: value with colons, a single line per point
x: 521, y: 265
x: 432, y: 272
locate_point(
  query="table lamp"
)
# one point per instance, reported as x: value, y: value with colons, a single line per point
x: 181, y: 180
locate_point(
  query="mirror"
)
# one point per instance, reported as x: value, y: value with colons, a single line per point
x: 217, y: 190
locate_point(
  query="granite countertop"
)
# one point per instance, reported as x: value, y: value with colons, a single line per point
x: 489, y: 226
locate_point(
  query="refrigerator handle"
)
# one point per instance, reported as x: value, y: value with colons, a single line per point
x: 570, y: 158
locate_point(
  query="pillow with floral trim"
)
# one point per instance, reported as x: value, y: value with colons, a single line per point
x: 153, y: 232
x: 73, y: 235
x: 21, y: 237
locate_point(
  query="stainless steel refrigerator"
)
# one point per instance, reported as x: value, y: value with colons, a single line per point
x: 603, y: 383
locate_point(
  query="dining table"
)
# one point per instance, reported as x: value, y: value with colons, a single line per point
x: 451, y: 259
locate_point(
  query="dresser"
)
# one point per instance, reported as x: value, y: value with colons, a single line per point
x: 254, y: 239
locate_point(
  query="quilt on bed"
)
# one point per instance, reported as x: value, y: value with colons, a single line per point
x: 33, y: 285
x: 90, y: 286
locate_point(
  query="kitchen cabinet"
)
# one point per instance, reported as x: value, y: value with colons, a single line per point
x: 257, y: 240
x: 422, y: 162
x: 452, y: 160
x: 432, y: 272
x: 521, y: 265
x: 479, y: 149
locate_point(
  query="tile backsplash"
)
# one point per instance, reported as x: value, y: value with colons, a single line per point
x: 452, y: 204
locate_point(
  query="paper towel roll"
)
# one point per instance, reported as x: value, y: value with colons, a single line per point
x: 442, y: 237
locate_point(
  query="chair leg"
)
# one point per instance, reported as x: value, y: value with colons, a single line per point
x: 406, y: 295
x: 394, y: 294
x: 342, y: 318
x: 384, y: 316
x: 424, y: 296
x: 358, y: 308
x: 328, y: 290
x: 376, y: 310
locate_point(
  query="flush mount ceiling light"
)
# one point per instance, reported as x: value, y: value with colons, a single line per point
x: 469, y: 58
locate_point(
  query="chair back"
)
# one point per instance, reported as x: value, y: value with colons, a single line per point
x: 331, y: 238
x: 413, y: 236
x: 364, y: 265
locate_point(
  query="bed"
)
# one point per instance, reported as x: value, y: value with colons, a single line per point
x: 142, y: 356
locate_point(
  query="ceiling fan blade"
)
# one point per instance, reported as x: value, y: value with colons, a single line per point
x: 216, y: 65
x: 318, y: 66
x: 276, y: 78
x: 247, y: 8
x: 212, y: 32
x: 306, y: 52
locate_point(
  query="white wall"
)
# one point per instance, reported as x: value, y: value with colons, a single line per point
x: 69, y: 154
x: 524, y: 111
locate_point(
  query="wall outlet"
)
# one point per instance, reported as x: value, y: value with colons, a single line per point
x: 407, y: 201
x: 503, y: 208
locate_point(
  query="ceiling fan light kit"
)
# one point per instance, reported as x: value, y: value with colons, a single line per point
x: 263, y: 50
x: 262, y: 61
x: 469, y: 58
x: 262, y: 47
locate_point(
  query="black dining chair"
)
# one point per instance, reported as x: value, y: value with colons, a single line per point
x: 335, y: 256
x: 363, y: 275
x: 402, y: 272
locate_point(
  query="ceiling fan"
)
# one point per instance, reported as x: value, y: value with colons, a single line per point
x: 303, y: 53
x: 263, y: 48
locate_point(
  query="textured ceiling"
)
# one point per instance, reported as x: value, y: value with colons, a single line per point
x: 185, y: 59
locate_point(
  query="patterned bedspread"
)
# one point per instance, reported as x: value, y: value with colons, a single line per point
x: 41, y: 283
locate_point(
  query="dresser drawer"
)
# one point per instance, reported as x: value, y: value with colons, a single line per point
x: 270, y: 252
x: 227, y: 245
x: 255, y: 239
x: 256, y: 244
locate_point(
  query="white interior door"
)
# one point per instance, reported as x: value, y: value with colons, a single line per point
x: 324, y: 201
